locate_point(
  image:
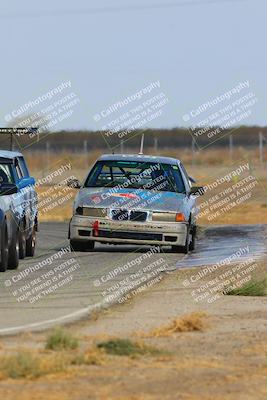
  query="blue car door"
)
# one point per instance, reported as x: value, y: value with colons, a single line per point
x: 27, y: 194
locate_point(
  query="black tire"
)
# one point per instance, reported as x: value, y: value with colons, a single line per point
x: 22, y: 241
x: 13, y: 253
x: 183, y: 249
x: 31, y: 243
x: 4, y: 249
x: 78, y: 245
x: 192, y: 244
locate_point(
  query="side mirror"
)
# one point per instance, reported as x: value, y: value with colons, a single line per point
x: 24, y: 182
x: 197, y: 191
x: 74, y: 183
x: 31, y: 180
x: 8, y: 188
x: 192, y: 180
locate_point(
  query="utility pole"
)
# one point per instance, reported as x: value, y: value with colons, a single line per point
x: 142, y: 144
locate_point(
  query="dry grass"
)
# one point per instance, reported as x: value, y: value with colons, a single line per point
x: 196, y: 321
x: 211, y: 156
x: 41, y: 165
x: 92, y: 356
x: 247, y: 213
x: 55, y: 205
x: 38, y: 160
x: 27, y: 364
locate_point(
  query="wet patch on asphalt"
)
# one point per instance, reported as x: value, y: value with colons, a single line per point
x: 216, y: 243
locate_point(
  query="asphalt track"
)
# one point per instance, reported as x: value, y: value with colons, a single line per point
x: 59, y: 286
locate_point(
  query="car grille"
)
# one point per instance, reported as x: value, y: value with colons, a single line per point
x: 126, y: 215
x: 130, y: 235
x: 140, y: 216
x: 120, y: 215
x: 94, y: 212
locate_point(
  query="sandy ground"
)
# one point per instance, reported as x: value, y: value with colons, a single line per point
x: 225, y: 361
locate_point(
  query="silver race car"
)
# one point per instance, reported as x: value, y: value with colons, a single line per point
x: 135, y: 199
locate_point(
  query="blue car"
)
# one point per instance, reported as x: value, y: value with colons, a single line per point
x: 18, y: 210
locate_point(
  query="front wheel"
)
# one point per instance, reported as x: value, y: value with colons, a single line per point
x: 78, y: 245
x: 4, y: 249
x: 192, y: 244
x: 31, y: 243
x: 183, y: 249
x: 22, y: 241
x: 13, y: 254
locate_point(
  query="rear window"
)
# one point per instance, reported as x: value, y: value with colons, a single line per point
x: 136, y: 175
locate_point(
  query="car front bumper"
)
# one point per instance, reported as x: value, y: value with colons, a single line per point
x: 82, y: 228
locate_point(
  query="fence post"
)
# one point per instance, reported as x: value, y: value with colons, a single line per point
x: 193, y: 151
x: 231, y: 147
x: 261, y: 147
x: 11, y: 142
x: 85, y: 149
x: 48, y: 153
x: 156, y: 145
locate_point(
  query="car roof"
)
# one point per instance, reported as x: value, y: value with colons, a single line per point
x: 138, y: 157
x: 9, y: 154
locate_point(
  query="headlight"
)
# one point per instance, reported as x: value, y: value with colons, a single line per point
x: 79, y: 211
x: 163, y: 216
x: 168, y: 217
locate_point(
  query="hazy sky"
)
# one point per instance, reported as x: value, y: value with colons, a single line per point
x: 196, y: 52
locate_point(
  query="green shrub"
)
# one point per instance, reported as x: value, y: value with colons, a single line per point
x: 125, y: 347
x: 251, y: 288
x: 61, y: 340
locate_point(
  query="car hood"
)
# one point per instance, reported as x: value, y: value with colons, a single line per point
x: 131, y: 199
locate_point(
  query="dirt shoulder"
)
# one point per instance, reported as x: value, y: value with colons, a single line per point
x: 225, y: 360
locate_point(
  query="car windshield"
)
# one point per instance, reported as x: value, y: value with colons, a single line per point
x: 136, y: 175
